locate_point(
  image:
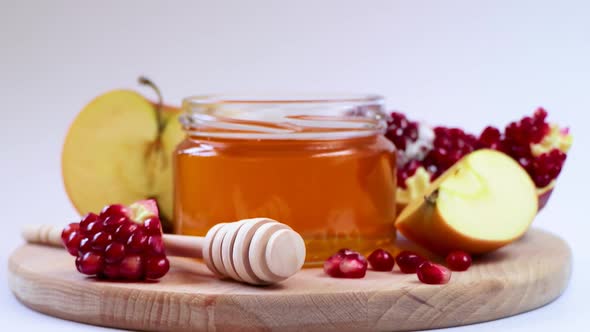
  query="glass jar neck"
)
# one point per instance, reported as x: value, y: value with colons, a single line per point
x: 284, y: 119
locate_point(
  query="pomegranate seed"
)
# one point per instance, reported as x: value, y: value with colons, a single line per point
x: 353, y: 266
x: 156, y: 267
x: 111, y: 223
x: 91, y: 217
x: 131, y: 267
x: 114, y: 252
x: 85, y: 246
x: 73, y: 243
x: 113, y: 210
x: 332, y: 265
x: 124, y: 231
x: 90, y: 263
x: 401, y: 131
x: 111, y: 271
x: 346, y: 263
x: 155, y: 245
x: 153, y: 226
x: 93, y: 228
x: 408, y: 261
x: 101, y: 240
x: 381, y: 260
x: 433, y: 274
x: 458, y: 260
x: 137, y: 241
x: 65, y: 233
x: 490, y: 138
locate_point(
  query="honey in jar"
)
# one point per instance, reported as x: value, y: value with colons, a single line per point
x: 319, y: 165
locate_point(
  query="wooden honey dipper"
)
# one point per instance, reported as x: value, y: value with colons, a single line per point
x: 257, y: 251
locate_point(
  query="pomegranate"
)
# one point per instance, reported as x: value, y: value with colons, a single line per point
x: 433, y: 274
x: 458, y: 260
x: 424, y: 153
x: 120, y: 243
x: 381, y: 260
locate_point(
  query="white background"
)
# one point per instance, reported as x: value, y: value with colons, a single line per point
x: 464, y: 63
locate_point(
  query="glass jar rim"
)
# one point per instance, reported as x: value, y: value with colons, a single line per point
x: 275, y: 98
x: 284, y: 116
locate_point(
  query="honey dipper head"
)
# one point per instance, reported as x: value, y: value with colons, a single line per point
x: 256, y: 251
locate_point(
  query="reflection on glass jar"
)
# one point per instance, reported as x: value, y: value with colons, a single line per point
x: 320, y: 165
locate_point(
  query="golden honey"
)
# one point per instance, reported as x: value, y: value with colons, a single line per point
x: 319, y: 166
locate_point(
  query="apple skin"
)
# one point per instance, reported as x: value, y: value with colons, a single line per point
x: 423, y: 223
x: 427, y: 228
x: 150, y: 182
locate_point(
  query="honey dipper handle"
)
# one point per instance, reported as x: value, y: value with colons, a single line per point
x: 176, y: 245
x: 43, y: 234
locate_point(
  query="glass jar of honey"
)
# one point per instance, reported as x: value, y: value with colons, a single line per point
x: 320, y: 165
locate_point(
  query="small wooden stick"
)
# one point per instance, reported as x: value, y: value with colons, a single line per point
x: 255, y: 251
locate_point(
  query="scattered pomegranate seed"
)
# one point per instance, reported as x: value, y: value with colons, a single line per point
x: 458, y: 260
x: 112, y: 246
x: 346, y: 264
x: 332, y: 265
x: 381, y: 260
x: 408, y: 261
x: 353, y: 266
x: 433, y: 274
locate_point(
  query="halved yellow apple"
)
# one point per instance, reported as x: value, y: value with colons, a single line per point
x: 485, y: 201
x: 119, y: 150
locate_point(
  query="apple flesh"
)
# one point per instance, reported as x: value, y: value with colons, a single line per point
x: 483, y: 202
x: 119, y: 149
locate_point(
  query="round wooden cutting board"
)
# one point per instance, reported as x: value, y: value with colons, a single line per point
x: 520, y: 277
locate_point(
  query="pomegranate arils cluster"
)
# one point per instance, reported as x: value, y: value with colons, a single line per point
x: 438, y: 152
x: 401, y: 131
x: 112, y: 246
x: 346, y: 264
x: 450, y: 145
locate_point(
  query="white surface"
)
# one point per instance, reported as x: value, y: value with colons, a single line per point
x: 459, y: 62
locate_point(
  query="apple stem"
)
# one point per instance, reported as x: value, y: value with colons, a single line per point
x: 147, y: 82
x: 431, y: 199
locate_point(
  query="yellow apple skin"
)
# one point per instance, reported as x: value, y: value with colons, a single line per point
x: 423, y: 223
x: 115, y: 153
